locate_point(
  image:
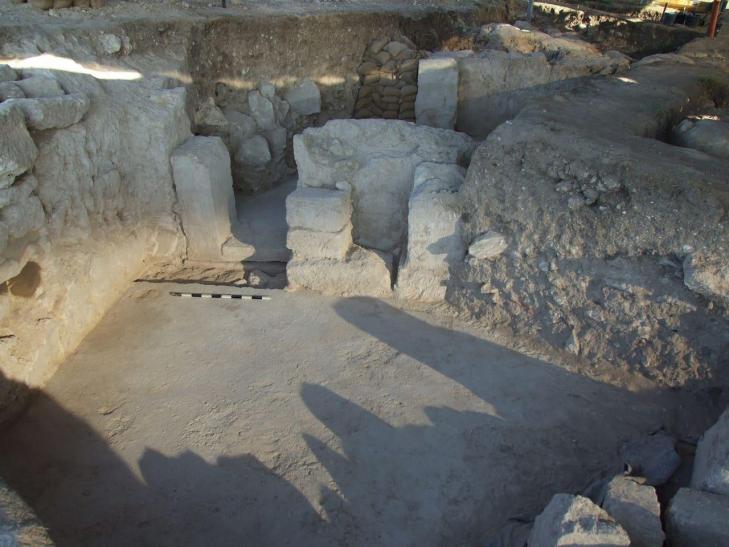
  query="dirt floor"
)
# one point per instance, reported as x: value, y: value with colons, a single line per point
x: 305, y: 420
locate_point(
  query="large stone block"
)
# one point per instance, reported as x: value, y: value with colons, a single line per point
x: 17, y: 149
x: 574, y: 520
x: 437, y: 99
x: 309, y: 244
x: 40, y: 86
x: 698, y: 519
x: 319, y: 209
x: 362, y: 273
x: 201, y: 170
x: 435, y: 239
x: 711, y: 464
x: 635, y: 507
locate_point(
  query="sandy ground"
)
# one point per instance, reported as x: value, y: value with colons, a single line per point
x: 305, y: 420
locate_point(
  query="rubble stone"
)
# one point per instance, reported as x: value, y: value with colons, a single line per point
x: 304, y: 98
x: 707, y: 135
x: 53, y: 112
x: 40, y: 86
x: 574, y: 520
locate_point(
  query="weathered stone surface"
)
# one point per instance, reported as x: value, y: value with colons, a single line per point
x: 210, y: 120
x: 318, y: 209
x: 201, y: 168
x: 19, y: 525
x: 697, y: 519
x: 653, y: 457
x: 434, y: 238
x: 707, y: 135
x: 311, y: 244
x: 711, y: 463
x: 708, y: 276
x: 253, y: 152
x: 23, y: 216
x: 261, y: 108
x: 17, y: 149
x: 241, y: 127
x: 635, y: 507
x: 7, y: 74
x: 10, y: 90
x: 378, y: 158
x: 53, y: 112
x: 488, y: 246
x: 573, y: 520
x: 304, y: 98
x: 437, y: 98
x: 363, y: 273
x: 40, y: 86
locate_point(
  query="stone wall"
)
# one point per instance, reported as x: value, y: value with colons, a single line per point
x: 349, y: 218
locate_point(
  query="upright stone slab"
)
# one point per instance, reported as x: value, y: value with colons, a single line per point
x: 635, y: 507
x: 437, y: 99
x: 201, y: 169
x: 434, y: 235
x: 711, y: 464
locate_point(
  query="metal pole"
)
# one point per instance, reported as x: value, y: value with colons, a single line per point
x: 530, y: 6
x: 715, y: 9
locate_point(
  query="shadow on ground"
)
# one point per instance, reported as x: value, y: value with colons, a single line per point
x: 449, y: 478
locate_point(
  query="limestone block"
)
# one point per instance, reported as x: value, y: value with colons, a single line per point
x: 17, y: 149
x: 437, y: 99
x: 362, y: 273
x: 10, y: 90
x: 488, y: 246
x: 318, y: 209
x: 698, y: 518
x: 310, y: 244
x: 40, y: 86
x: 710, y: 136
x: 253, y: 152
x: 262, y: 110
x: 575, y: 520
x: 305, y: 98
x: 201, y: 170
x: 434, y: 233
x: 7, y: 74
x: 635, y: 507
x: 711, y: 464
x: 53, y: 112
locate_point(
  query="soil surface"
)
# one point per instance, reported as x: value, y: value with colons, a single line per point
x: 306, y: 420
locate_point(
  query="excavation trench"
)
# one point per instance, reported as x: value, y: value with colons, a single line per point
x: 459, y: 336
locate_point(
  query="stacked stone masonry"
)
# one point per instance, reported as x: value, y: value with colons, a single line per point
x: 389, y: 76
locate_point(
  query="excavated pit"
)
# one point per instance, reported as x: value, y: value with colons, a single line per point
x: 484, y: 302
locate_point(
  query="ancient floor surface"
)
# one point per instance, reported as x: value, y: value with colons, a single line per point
x: 304, y: 420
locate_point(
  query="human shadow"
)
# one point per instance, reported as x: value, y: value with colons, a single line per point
x: 529, y: 430
x: 85, y: 494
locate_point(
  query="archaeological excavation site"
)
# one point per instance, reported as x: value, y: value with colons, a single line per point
x: 363, y: 273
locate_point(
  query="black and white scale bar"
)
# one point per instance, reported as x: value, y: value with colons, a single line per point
x: 220, y: 295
